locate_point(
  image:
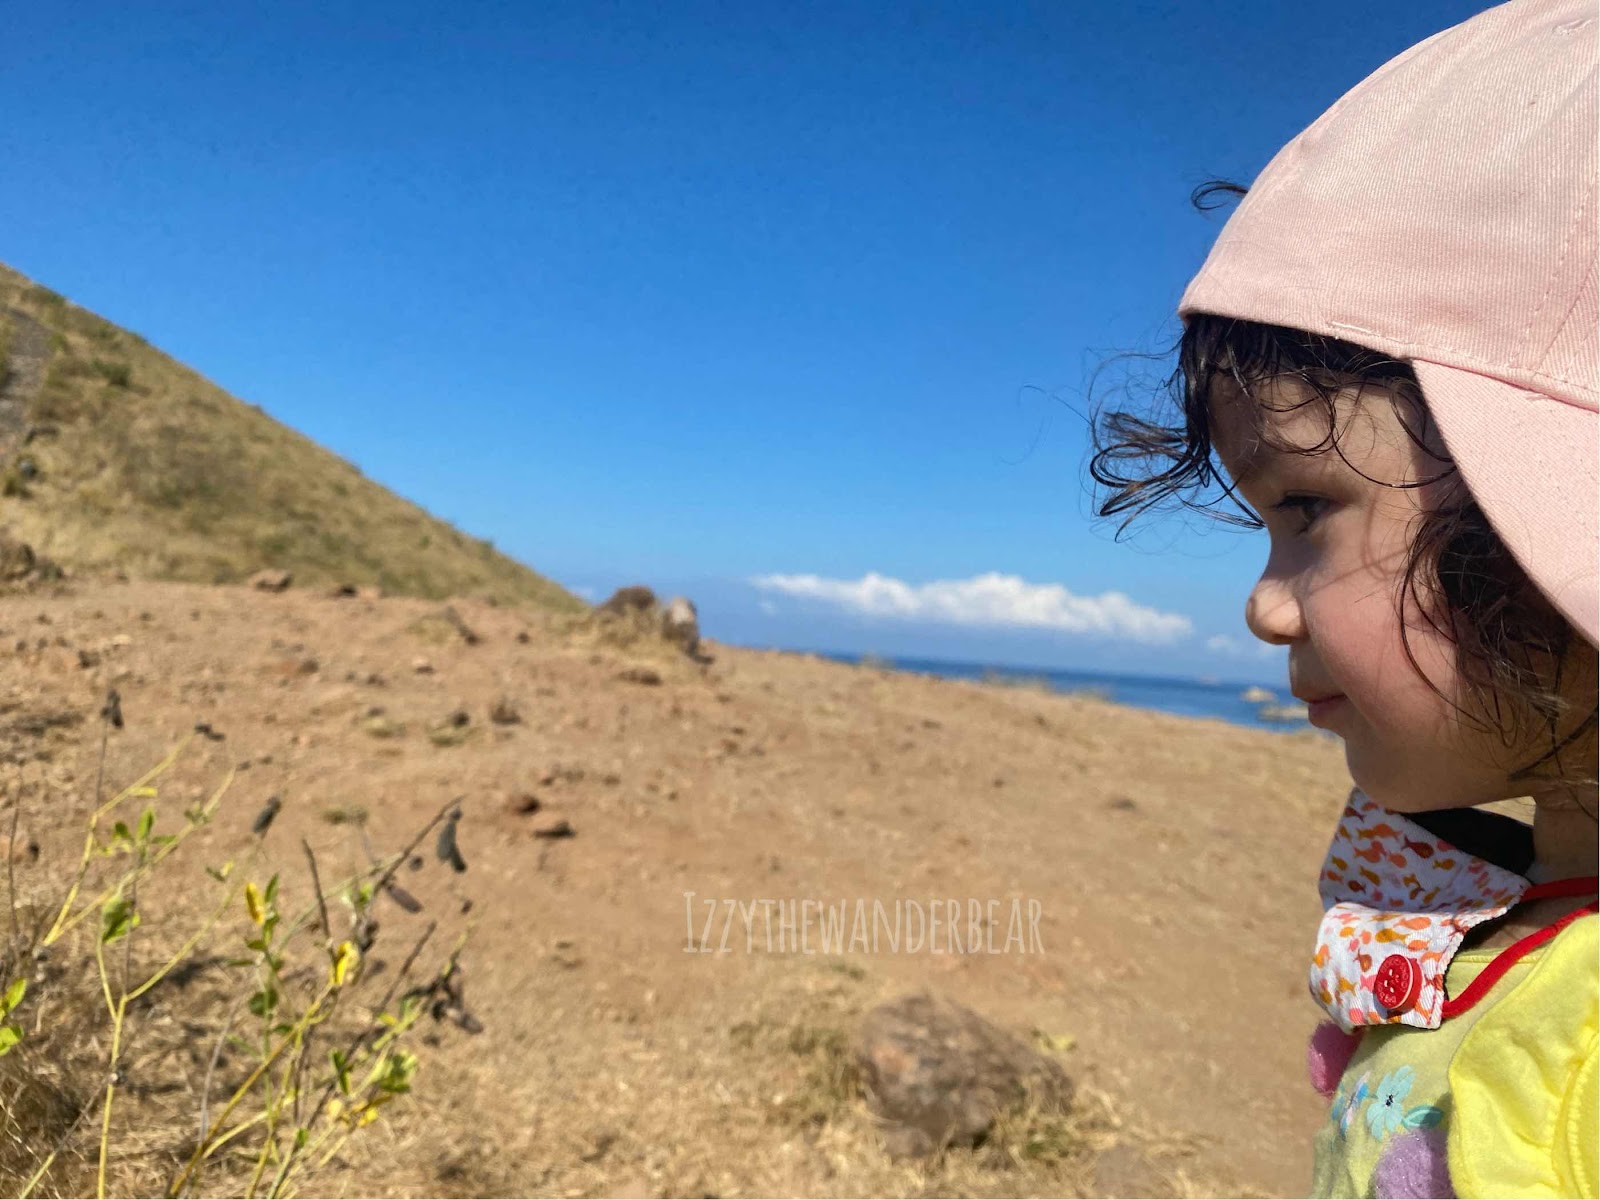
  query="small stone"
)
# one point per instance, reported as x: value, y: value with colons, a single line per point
x: 22, y: 849
x: 453, y: 730
x: 645, y: 675
x: 422, y: 666
x: 521, y: 804
x: 505, y: 712
x: 468, y: 634
x: 561, y: 829
x: 88, y: 659
x: 271, y: 580
x: 16, y: 558
x: 380, y: 726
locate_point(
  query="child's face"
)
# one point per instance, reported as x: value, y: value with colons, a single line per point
x: 1330, y: 589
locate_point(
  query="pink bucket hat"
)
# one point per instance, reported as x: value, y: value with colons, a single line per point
x: 1443, y: 211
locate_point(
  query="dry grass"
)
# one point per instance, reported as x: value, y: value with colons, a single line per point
x: 145, y: 467
x: 158, y: 1041
x: 796, y: 1067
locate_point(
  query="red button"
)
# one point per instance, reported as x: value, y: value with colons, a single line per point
x: 1398, y: 982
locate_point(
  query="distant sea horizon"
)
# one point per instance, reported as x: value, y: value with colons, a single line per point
x: 1195, y: 696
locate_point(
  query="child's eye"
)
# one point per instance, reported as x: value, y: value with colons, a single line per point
x: 1303, y: 503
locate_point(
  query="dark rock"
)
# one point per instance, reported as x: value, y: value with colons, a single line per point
x: 22, y: 848
x: 938, y: 1074
x: 468, y: 634
x: 505, y: 712
x: 16, y: 558
x: 645, y: 675
x: 629, y: 599
x: 561, y: 829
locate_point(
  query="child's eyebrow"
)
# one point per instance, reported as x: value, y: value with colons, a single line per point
x: 1270, y: 461
x: 1260, y: 463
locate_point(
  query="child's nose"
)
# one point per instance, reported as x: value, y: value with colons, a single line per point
x: 1272, y: 612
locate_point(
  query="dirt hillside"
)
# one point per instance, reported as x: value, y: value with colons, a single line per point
x: 114, y: 456
x: 1173, y: 861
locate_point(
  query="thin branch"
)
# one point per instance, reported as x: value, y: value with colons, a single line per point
x: 11, y: 864
x: 211, y: 1070
x: 316, y: 883
x: 49, y: 1159
x: 60, y: 925
x: 383, y: 1006
x: 405, y: 855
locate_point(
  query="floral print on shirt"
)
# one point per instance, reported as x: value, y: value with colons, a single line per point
x: 1386, y: 1110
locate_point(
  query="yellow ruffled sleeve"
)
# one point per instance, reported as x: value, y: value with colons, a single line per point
x: 1525, y: 1081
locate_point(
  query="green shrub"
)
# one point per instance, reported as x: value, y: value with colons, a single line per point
x: 305, y: 1048
x: 117, y: 374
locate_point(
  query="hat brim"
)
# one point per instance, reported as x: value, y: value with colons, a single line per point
x: 1533, y: 465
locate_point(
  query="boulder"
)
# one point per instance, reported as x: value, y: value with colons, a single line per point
x: 680, y: 624
x: 938, y: 1074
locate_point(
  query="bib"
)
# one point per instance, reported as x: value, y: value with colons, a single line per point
x: 1397, y: 902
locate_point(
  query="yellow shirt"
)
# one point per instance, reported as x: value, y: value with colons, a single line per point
x: 1505, y: 1097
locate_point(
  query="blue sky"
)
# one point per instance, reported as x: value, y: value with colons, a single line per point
x: 786, y: 308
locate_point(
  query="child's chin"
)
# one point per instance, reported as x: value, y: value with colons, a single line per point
x: 1407, y: 803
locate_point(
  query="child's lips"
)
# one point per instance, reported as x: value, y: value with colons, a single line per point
x: 1318, y: 711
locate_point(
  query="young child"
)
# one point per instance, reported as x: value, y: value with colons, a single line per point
x: 1392, y: 350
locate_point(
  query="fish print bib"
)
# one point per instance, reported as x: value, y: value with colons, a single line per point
x: 1397, y: 900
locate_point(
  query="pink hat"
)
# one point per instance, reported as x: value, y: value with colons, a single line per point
x: 1443, y: 211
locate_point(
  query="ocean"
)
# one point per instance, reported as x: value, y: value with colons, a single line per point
x: 1183, y: 697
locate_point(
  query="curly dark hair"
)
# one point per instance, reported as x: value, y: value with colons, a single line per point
x: 1513, y: 648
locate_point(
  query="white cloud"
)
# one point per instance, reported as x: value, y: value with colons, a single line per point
x: 767, y: 606
x: 991, y: 599
x: 1222, y: 644
x: 586, y: 592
